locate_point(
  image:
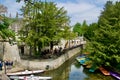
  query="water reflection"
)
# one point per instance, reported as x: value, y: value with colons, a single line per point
x: 76, y: 73
x: 72, y: 70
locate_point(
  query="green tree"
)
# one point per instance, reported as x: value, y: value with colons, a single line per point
x: 5, y: 32
x: 89, y: 34
x: 84, y: 27
x: 106, y: 41
x: 80, y: 29
x: 44, y: 24
x: 77, y: 29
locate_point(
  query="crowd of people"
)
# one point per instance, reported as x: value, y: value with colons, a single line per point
x: 54, y: 51
x: 6, y: 64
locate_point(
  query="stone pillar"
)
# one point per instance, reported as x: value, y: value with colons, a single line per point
x: 11, y: 52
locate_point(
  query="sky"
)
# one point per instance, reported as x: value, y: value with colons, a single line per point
x: 77, y: 10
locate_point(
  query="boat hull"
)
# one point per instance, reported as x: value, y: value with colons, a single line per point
x: 32, y: 77
x: 114, y: 74
x: 104, y: 71
x: 26, y: 72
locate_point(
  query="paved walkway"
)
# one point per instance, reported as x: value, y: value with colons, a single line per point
x: 3, y: 76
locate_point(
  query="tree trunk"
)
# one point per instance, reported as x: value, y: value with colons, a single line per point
x: 39, y: 49
x: 35, y: 48
x: 30, y: 51
x: 51, y: 47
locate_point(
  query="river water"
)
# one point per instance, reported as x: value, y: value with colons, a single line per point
x: 72, y: 70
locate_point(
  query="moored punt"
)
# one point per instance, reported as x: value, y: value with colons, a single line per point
x: 93, y: 68
x: 81, y: 56
x: 31, y: 77
x: 87, y: 62
x: 104, y: 71
x: 26, y: 72
x: 81, y: 59
x: 115, y: 74
x: 88, y: 65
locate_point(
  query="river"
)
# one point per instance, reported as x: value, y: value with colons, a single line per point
x: 72, y: 70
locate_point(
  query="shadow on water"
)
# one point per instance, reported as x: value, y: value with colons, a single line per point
x: 72, y: 70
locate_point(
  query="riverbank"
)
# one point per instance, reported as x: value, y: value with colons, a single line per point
x: 47, y: 64
x: 3, y: 76
x: 50, y: 64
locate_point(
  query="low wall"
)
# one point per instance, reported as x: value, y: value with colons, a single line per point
x: 50, y: 64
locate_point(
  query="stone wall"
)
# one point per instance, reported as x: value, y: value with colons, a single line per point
x: 49, y: 64
x: 11, y: 52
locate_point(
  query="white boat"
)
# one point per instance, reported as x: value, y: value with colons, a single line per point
x: 31, y: 77
x: 26, y: 72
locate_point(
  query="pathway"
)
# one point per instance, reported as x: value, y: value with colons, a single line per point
x: 3, y: 76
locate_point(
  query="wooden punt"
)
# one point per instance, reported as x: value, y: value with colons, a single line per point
x: 31, y: 77
x: 115, y: 74
x: 104, y: 71
x: 26, y: 72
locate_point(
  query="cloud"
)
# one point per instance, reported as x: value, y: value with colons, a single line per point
x: 78, y: 10
x: 75, y: 7
x: 90, y: 16
x: 81, y: 11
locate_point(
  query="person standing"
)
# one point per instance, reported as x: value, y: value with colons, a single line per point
x: 1, y: 65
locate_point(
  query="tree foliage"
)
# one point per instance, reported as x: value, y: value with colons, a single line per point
x: 84, y: 27
x: 77, y: 29
x: 80, y: 29
x: 89, y: 34
x: 106, y: 41
x: 45, y: 24
x: 5, y: 32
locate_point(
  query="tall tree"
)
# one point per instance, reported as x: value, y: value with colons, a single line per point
x: 84, y: 27
x: 77, y: 29
x: 89, y: 34
x: 106, y: 49
x: 44, y: 23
